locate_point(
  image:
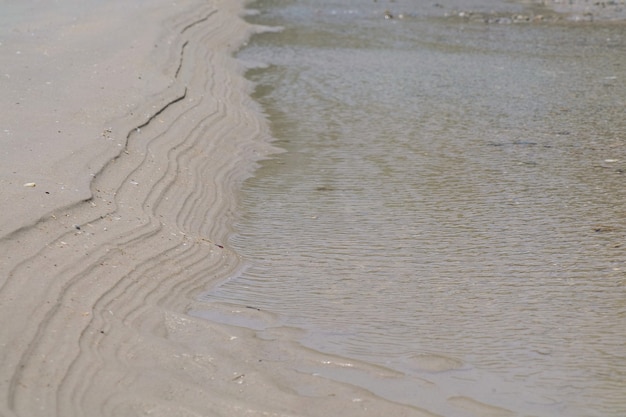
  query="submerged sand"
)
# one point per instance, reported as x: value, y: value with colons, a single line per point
x: 127, y: 129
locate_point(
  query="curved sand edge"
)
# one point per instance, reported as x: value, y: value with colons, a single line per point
x: 103, y: 258
x: 124, y: 220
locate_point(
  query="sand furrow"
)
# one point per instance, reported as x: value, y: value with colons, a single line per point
x: 157, y: 113
x: 192, y: 24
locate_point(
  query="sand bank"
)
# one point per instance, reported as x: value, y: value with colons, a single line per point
x: 126, y: 130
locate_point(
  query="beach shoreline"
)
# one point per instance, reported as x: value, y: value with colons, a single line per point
x: 128, y: 130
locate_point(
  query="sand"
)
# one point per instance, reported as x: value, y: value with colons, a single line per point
x: 127, y: 129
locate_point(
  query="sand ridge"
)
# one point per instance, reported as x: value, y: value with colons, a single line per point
x: 86, y: 286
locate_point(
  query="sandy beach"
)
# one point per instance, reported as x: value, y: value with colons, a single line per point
x: 127, y: 130
x: 127, y: 127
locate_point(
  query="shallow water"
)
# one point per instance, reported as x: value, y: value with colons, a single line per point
x: 451, y: 202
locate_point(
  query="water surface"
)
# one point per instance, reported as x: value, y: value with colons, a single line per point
x: 451, y: 202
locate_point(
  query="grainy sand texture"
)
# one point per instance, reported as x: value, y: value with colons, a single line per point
x: 124, y: 132
x: 127, y: 128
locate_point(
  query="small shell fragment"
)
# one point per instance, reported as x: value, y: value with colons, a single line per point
x: 30, y: 184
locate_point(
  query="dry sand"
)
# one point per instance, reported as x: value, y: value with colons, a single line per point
x: 126, y: 130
